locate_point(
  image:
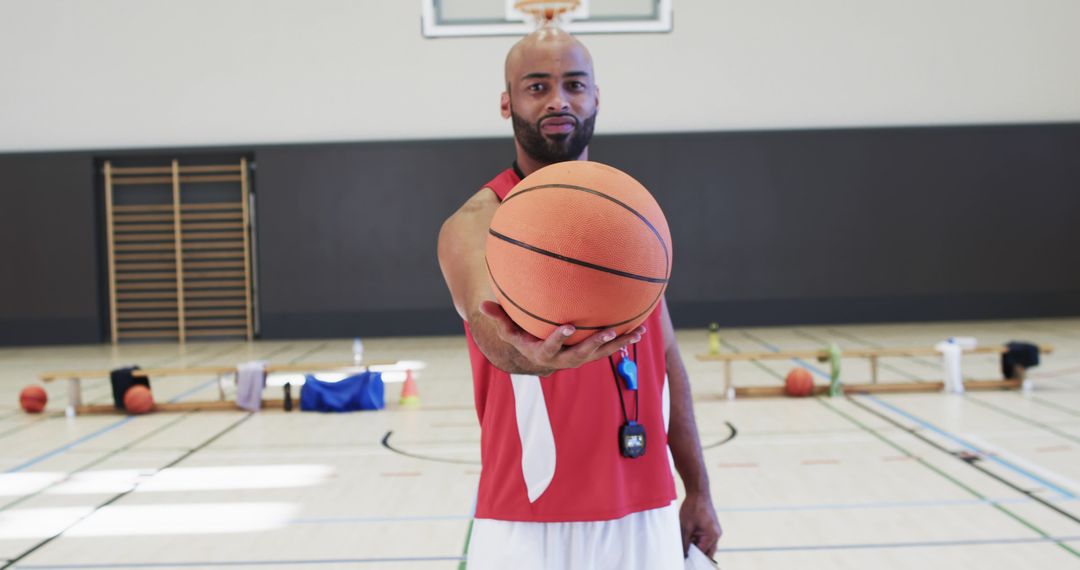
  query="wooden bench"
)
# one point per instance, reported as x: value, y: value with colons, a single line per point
x: 75, y: 377
x: 873, y: 354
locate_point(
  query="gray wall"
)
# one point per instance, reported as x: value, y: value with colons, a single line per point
x: 769, y: 227
x: 48, y: 250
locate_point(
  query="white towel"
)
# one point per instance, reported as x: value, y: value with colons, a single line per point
x: 250, y: 381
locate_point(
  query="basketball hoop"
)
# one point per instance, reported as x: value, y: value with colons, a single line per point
x: 553, y: 13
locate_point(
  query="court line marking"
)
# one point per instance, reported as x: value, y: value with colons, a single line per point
x: 67, y: 447
x: 212, y: 563
x: 1064, y: 493
x: 1016, y: 517
x: 890, y: 545
x: 721, y: 551
x: 970, y: 398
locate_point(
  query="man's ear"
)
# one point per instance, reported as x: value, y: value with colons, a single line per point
x: 504, y: 105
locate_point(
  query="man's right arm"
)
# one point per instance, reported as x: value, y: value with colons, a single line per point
x: 462, y: 242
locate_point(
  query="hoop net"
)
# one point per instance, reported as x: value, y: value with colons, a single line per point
x: 553, y: 13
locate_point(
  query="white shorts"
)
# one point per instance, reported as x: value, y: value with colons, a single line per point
x: 647, y: 540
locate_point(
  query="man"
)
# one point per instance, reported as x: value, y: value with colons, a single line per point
x: 556, y: 490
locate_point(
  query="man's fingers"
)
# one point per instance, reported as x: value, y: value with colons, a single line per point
x: 710, y: 547
x: 554, y: 342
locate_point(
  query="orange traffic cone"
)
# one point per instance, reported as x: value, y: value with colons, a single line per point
x: 410, y: 395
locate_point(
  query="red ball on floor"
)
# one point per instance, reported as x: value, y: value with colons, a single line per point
x: 33, y: 399
x: 799, y: 383
x: 138, y: 400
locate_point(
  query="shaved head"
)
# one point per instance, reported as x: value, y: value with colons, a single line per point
x: 546, y: 41
x: 551, y: 97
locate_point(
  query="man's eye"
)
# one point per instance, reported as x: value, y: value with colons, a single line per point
x: 577, y: 85
x: 536, y: 87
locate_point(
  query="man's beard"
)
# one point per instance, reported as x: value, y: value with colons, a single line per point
x: 556, y: 148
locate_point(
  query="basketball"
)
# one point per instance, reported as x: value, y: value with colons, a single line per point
x: 799, y: 383
x: 138, y: 400
x: 33, y: 399
x: 578, y: 243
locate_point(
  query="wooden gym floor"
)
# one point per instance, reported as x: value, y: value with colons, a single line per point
x: 988, y: 480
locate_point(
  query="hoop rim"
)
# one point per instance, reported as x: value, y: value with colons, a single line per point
x: 547, y: 11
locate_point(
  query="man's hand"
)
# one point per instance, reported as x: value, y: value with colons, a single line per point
x: 549, y: 355
x: 697, y: 517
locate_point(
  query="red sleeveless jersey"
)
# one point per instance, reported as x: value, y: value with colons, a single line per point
x: 550, y: 445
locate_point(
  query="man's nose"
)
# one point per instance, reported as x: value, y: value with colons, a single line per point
x: 559, y: 102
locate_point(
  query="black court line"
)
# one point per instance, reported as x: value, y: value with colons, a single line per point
x: 732, y: 434
x: 824, y: 401
x: 972, y: 461
x: 97, y: 461
x: 123, y: 494
x: 92, y: 399
x: 78, y: 441
x: 1007, y: 464
x: 386, y: 443
x: 971, y: 491
x: 969, y: 397
x: 1056, y: 406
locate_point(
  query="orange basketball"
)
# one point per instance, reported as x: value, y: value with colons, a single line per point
x: 138, y: 400
x: 799, y: 383
x: 33, y: 399
x: 579, y: 243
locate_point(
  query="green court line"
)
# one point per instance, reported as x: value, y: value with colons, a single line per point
x: 948, y: 477
x: 823, y: 401
x: 465, y: 550
x: 973, y: 399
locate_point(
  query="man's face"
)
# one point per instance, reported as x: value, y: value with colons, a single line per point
x: 552, y: 100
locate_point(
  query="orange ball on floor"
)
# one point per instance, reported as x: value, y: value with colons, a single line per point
x: 799, y: 383
x: 138, y: 400
x: 33, y: 399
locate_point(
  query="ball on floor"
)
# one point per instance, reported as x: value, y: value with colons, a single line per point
x: 138, y: 400
x: 799, y: 383
x: 33, y: 399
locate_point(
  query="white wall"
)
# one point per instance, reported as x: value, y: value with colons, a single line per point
x: 133, y: 73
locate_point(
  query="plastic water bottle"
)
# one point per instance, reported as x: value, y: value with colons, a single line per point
x: 357, y: 351
x: 714, y: 338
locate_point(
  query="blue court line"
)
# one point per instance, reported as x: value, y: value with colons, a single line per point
x: 198, y: 388
x: 809, y: 366
x: 246, y: 562
x: 970, y: 447
x: 66, y: 447
x: 889, y: 545
x: 1064, y: 493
